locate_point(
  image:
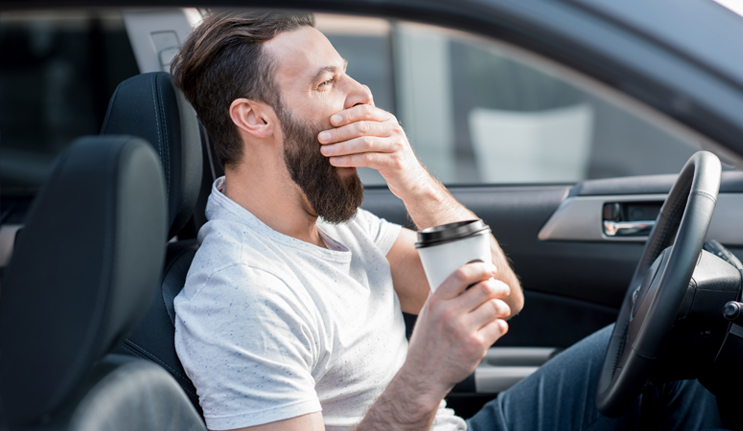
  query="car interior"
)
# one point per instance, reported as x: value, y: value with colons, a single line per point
x: 88, y: 342
x: 60, y: 323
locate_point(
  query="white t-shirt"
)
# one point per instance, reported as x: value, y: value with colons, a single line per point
x: 269, y: 327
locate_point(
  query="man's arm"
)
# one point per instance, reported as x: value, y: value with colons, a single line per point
x: 455, y: 328
x: 370, y: 137
x: 309, y: 422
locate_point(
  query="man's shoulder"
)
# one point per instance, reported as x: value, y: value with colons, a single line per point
x: 238, y: 284
x: 230, y: 241
x: 229, y: 253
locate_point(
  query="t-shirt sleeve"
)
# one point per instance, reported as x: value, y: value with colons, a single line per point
x: 249, y: 345
x: 382, y: 232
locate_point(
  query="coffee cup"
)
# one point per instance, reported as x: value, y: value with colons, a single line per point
x: 446, y: 247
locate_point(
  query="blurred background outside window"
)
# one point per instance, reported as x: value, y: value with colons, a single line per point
x: 58, y: 70
x: 478, y: 113
x: 474, y: 111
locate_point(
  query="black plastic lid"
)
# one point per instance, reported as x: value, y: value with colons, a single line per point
x: 450, y: 232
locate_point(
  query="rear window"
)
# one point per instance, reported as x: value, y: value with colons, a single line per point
x: 58, y: 70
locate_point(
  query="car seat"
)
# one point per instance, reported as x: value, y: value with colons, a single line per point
x: 149, y: 106
x: 83, y: 271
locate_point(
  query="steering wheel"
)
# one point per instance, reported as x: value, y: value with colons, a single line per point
x: 658, y: 286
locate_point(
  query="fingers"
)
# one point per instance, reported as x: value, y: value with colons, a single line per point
x: 359, y: 113
x: 463, y: 277
x: 485, y: 313
x: 375, y: 160
x: 371, y: 131
x: 492, y: 331
x: 359, y: 145
x: 483, y: 291
x: 354, y: 130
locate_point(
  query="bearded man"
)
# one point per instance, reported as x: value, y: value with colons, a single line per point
x: 291, y: 317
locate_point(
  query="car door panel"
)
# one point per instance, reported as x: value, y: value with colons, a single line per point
x: 573, y: 286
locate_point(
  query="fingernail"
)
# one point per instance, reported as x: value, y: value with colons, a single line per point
x: 326, y: 150
x: 335, y: 119
x: 324, y: 136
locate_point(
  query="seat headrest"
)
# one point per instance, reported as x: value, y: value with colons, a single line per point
x: 83, y: 273
x: 149, y: 106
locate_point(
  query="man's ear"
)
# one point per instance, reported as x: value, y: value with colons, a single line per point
x: 252, y: 117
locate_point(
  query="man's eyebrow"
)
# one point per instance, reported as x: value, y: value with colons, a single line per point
x: 331, y: 69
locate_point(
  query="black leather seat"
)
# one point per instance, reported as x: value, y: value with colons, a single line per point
x: 83, y: 271
x: 149, y: 106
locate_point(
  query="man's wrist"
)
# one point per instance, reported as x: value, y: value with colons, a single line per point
x: 416, y: 185
x: 407, y: 404
x: 422, y: 391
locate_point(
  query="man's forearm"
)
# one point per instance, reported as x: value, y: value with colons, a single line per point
x: 401, y: 407
x: 456, y: 327
x: 429, y: 203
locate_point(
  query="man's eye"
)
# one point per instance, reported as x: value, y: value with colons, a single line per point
x: 324, y: 83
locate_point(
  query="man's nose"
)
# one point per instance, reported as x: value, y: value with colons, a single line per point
x: 359, y: 94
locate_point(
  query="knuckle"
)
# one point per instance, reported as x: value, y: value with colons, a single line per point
x: 367, y: 142
x: 397, y: 163
x: 486, y: 289
x: 363, y: 127
x: 473, y: 344
x: 495, y: 306
x: 448, y: 318
x: 501, y: 308
x: 459, y: 275
x: 459, y: 332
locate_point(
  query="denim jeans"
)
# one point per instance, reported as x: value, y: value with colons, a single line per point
x: 561, y: 396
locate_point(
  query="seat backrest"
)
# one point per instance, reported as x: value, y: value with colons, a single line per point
x: 149, y: 106
x: 127, y: 394
x: 146, y: 105
x: 82, y: 274
x: 154, y: 338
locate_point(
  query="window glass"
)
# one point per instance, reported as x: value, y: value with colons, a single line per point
x: 476, y: 112
x: 58, y: 70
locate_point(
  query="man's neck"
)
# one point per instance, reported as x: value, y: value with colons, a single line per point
x: 278, y: 202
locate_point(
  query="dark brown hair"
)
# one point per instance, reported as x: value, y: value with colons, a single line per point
x: 223, y: 60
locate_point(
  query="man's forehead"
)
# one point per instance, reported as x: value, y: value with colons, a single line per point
x: 301, y: 53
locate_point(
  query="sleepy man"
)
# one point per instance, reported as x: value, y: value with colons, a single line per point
x: 291, y: 316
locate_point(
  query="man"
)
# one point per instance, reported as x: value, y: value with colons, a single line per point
x: 291, y: 314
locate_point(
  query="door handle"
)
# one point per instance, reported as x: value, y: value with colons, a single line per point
x: 628, y: 228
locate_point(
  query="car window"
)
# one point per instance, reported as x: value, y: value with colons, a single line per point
x: 475, y: 111
x: 479, y: 112
x: 58, y: 69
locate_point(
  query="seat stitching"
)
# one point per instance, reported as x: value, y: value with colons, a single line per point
x: 166, y: 145
x: 133, y: 352
x: 153, y: 87
x: 155, y: 358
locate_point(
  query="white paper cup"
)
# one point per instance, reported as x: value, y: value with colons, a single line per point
x: 447, y: 247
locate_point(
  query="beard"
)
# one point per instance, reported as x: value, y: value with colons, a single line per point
x: 332, y: 198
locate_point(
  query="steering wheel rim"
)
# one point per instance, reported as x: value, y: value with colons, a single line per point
x: 659, y: 284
